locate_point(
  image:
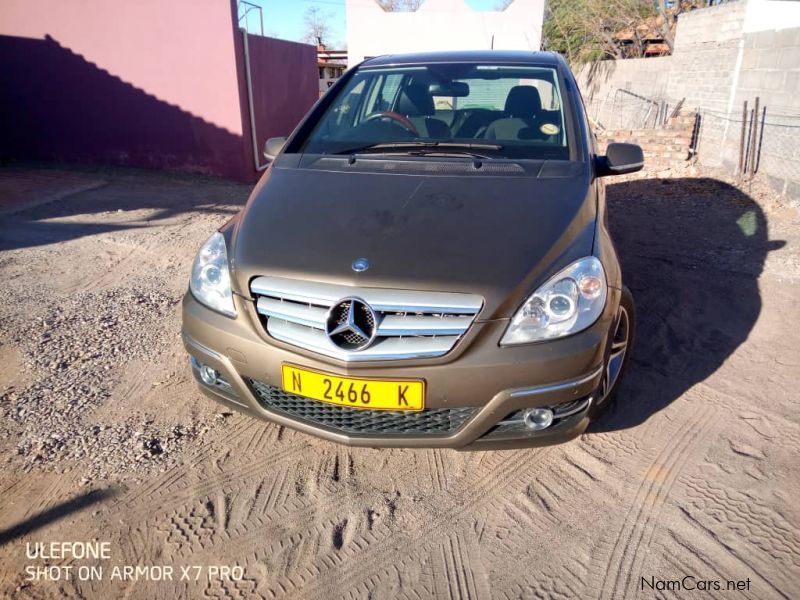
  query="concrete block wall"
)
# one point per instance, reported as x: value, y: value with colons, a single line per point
x: 600, y: 82
x: 770, y: 69
x: 724, y: 55
x: 713, y: 25
x: 703, y: 68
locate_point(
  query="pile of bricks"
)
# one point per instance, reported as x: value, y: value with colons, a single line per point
x: 665, y: 148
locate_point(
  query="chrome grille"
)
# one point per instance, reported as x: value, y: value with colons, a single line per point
x: 410, y: 324
x: 431, y: 421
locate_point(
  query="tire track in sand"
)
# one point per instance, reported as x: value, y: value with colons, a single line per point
x: 651, y: 495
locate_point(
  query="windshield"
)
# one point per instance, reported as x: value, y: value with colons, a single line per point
x: 498, y: 111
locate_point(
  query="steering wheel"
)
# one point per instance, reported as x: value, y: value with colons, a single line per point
x: 401, y: 120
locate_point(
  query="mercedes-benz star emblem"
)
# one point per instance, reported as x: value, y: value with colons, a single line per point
x: 351, y: 324
x: 360, y: 264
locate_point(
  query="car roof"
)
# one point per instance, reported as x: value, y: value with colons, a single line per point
x: 521, y: 57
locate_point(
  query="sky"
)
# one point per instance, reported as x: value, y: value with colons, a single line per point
x: 284, y: 18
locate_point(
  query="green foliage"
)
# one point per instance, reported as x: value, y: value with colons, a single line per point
x: 586, y: 30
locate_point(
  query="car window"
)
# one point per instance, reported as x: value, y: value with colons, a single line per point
x: 391, y: 87
x: 516, y: 110
x: 487, y: 93
x: 341, y: 116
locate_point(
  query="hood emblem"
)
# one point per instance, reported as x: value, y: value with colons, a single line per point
x: 351, y: 324
x: 360, y: 264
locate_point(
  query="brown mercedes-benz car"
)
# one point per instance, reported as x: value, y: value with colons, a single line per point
x: 425, y: 263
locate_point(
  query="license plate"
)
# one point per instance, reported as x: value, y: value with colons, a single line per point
x: 375, y: 394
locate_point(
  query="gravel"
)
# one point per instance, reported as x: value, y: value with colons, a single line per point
x: 74, y: 346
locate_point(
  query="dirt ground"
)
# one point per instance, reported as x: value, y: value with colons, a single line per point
x: 104, y: 436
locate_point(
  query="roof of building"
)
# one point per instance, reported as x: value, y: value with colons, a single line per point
x: 467, y: 56
x: 648, y: 33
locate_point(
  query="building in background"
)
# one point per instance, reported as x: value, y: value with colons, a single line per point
x: 645, y: 38
x: 441, y: 25
x: 155, y: 84
x: 332, y: 64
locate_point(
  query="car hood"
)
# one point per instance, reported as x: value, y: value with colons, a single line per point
x: 497, y: 236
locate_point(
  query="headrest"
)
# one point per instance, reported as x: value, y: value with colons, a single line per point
x: 523, y: 101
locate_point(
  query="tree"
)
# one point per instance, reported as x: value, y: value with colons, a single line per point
x: 564, y: 31
x: 589, y: 30
x: 317, y: 28
x: 400, y: 5
x: 666, y: 18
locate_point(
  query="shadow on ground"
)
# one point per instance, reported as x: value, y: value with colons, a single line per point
x: 55, y: 513
x: 58, y: 209
x: 692, y: 251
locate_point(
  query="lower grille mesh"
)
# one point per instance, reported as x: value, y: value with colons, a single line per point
x: 432, y: 421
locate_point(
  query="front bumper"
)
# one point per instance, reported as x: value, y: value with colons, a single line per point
x: 478, y: 377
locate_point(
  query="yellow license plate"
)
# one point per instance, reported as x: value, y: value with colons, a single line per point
x: 375, y: 394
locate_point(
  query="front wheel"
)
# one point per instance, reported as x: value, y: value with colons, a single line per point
x: 619, y: 352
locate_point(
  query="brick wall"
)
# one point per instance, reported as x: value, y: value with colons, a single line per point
x: 665, y: 148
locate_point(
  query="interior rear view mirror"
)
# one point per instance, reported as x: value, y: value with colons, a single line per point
x: 456, y: 89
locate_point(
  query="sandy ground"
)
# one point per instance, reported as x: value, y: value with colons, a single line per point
x: 104, y: 436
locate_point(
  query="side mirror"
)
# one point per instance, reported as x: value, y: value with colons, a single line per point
x: 273, y: 147
x: 620, y: 159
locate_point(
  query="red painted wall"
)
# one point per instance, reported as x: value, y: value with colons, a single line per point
x: 285, y: 85
x: 146, y: 83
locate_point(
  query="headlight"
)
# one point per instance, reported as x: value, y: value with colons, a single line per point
x: 210, y: 282
x: 568, y: 303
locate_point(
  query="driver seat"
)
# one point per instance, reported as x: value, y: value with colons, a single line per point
x: 416, y: 103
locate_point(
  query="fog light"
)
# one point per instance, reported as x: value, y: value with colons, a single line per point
x: 537, y: 419
x: 208, y: 375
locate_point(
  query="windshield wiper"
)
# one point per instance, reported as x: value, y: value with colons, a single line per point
x: 422, y: 148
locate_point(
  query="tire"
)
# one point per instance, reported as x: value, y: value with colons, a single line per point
x: 625, y: 312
